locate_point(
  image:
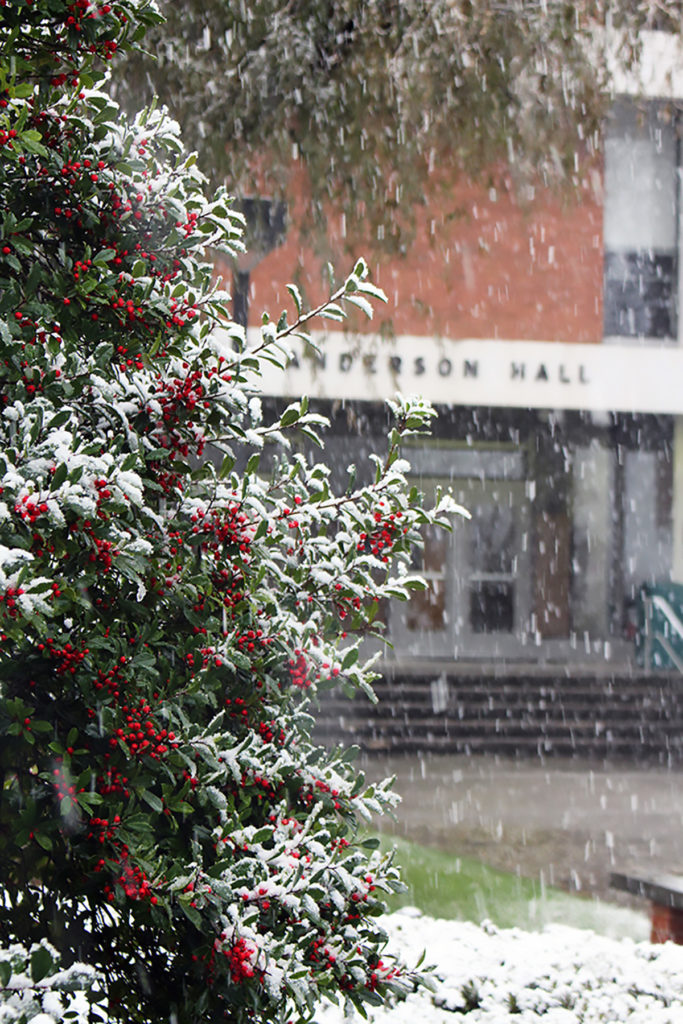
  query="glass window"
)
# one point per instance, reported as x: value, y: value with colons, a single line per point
x: 492, y: 540
x: 640, y: 221
x: 492, y: 607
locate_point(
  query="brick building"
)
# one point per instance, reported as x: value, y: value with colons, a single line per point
x: 548, y: 334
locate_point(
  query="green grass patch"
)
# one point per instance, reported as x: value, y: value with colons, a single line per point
x: 444, y: 885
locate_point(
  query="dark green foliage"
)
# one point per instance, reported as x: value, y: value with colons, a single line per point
x: 164, y: 816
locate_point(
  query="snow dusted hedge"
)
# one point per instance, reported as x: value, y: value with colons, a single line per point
x: 34, y: 989
x: 562, y: 975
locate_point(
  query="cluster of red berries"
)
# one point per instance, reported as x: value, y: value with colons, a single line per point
x: 123, y: 204
x: 105, y: 48
x: 319, y: 953
x: 113, y: 781
x: 381, y: 540
x: 41, y: 337
x: 70, y: 175
x: 81, y: 9
x: 30, y: 510
x: 299, y: 671
x: 58, y: 80
x: 130, y: 312
x: 301, y: 674
x: 102, y: 829
x: 109, y: 48
x: 380, y: 973
x: 39, y: 547
x: 71, y: 172
x: 238, y: 708
x: 180, y: 392
x: 251, y: 639
x: 223, y: 526
x: 9, y: 601
x: 230, y: 583
x: 103, y: 494
x: 132, y: 880
x: 267, y: 787
x: 68, y: 657
x: 31, y: 385
x: 194, y: 782
x: 82, y: 266
x: 189, y: 225
x: 6, y: 137
x: 112, y: 680
x: 178, y: 398
x: 344, y: 605
x: 168, y: 481
x: 307, y: 794
x: 270, y: 732
x: 104, y: 552
x: 241, y: 956
x: 130, y: 361
x: 141, y: 733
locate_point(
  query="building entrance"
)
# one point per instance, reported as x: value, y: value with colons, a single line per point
x: 477, y: 603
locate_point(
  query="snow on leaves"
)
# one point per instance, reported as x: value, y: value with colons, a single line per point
x: 176, y: 583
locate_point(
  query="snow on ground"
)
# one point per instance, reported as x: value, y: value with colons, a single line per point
x: 482, y: 975
x: 486, y: 975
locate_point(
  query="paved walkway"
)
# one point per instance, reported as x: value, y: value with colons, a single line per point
x: 567, y: 822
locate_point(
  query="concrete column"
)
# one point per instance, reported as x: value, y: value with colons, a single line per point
x: 677, y: 503
x: 677, y: 454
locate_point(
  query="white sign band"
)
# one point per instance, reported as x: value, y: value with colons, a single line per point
x: 509, y: 374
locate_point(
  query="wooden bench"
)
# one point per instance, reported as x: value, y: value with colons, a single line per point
x: 665, y: 893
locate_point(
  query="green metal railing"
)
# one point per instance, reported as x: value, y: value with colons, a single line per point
x: 659, y: 641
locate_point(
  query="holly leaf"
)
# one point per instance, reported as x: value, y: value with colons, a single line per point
x: 41, y: 963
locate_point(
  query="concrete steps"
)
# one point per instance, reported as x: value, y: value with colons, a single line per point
x: 638, y: 718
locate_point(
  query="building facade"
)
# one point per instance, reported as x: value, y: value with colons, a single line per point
x: 548, y: 336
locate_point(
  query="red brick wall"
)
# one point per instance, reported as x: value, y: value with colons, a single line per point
x: 499, y: 270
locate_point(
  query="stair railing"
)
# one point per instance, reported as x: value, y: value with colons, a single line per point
x: 652, y: 603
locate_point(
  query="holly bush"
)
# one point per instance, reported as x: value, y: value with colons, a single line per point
x: 171, y: 601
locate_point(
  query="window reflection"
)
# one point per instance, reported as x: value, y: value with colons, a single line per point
x: 492, y: 607
x: 492, y: 539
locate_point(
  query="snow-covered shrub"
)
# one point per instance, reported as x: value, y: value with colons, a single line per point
x: 166, y: 616
x: 36, y: 990
x: 483, y: 975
